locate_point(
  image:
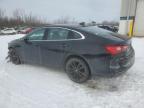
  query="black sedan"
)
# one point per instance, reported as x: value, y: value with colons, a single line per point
x: 82, y: 51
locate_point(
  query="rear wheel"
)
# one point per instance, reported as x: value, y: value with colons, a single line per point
x: 14, y: 56
x: 77, y: 70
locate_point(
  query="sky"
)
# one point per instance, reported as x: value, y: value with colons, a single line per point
x: 80, y: 10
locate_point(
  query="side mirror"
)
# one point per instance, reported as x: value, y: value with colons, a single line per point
x: 26, y: 41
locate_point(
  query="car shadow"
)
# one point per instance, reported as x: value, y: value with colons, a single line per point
x: 110, y: 84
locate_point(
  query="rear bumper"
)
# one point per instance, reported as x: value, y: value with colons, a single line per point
x: 112, y: 65
x: 121, y: 64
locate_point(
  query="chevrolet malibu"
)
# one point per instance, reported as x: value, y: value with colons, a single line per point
x: 82, y: 51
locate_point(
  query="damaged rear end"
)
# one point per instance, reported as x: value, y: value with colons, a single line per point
x: 122, y: 55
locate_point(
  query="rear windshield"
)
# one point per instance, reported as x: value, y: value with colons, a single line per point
x: 96, y: 30
x: 102, y: 32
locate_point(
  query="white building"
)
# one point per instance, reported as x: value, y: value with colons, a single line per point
x: 132, y: 17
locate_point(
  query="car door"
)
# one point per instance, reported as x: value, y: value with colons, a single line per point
x: 52, y: 48
x: 31, y: 48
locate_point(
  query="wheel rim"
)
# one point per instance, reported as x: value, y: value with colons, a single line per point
x: 13, y: 57
x: 77, y: 71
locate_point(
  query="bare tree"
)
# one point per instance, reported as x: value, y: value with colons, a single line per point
x: 65, y: 20
x: 20, y: 18
x: 1, y: 13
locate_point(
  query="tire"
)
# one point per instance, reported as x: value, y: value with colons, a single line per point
x: 14, y: 57
x: 77, y: 70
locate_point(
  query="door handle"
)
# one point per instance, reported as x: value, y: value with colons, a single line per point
x: 18, y: 45
x: 64, y: 45
x: 36, y: 45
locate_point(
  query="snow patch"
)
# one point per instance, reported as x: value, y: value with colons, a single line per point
x: 32, y: 86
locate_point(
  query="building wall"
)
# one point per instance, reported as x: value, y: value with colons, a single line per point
x: 127, y: 8
x: 132, y: 17
x: 139, y: 19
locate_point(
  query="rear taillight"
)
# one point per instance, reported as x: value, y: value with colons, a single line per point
x: 116, y: 49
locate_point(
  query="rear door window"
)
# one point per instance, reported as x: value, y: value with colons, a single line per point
x: 57, y: 34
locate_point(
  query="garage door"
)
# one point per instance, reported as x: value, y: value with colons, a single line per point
x: 139, y: 22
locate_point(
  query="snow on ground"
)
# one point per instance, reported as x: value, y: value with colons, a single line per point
x: 31, y: 86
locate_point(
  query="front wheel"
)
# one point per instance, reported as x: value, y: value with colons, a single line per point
x: 77, y: 70
x: 14, y: 56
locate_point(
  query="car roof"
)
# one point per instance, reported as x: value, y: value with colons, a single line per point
x: 69, y: 26
x: 72, y: 26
